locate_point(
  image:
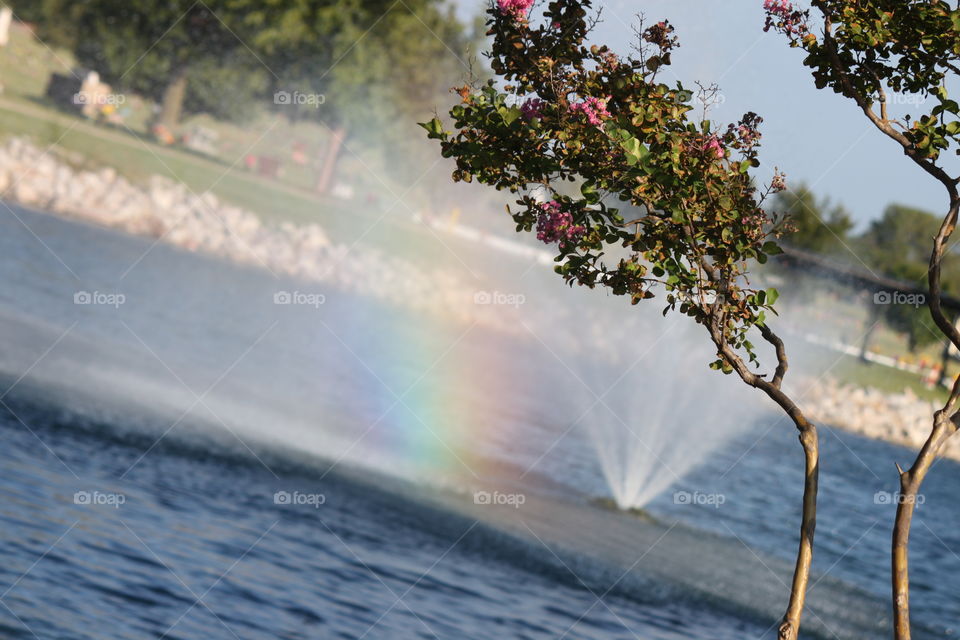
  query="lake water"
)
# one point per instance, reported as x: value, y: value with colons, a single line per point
x: 193, y: 460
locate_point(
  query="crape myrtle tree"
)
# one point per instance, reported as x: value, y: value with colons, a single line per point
x: 867, y: 51
x: 562, y: 113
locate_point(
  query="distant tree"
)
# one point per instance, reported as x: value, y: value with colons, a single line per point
x: 819, y: 227
x: 376, y: 65
x: 181, y: 53
x: 898, y: 245
x: 899, y: 242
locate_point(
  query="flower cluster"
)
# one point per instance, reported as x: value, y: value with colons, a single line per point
x: 594, y: 108
x: 747, y: 131
x: 781, y: 14
x: 517, y: 9
x: 714, y: 147
x: 660, y: 36
x: 753, y: 226
x: 556, y: 225
x: 779, y: 182
x: 531, y: 108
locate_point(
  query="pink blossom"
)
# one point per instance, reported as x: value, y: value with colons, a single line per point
x: 517, y: 9
x: 779, y: 182
x: 556, y: 225
x: 594, y: 108
x: 531, y: 108
x: 713, y: 146
x: 780, y: 8
x: 783, y: 15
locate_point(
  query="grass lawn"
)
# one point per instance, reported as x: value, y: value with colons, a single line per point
x: 850, y: 369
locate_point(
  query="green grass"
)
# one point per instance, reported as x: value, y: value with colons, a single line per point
x: 852, y: 370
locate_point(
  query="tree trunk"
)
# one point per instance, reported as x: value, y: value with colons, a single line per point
x: 171, y: 107
x: 325, y: 179
x: 790, y: 627
x: 910, y: 482
x: 873, y: 316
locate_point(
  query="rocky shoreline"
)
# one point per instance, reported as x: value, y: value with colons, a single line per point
x: 171, y: 213
x: 899, y: 418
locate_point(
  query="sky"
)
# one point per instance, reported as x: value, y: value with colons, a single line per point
x: 816, y: 137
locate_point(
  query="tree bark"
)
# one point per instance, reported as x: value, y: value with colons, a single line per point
x: 328, y: 169
x: 910, y: 482
x: 790, y: 627
x: 944, y: 426
x: 873, y: 315
x: 171, y: 106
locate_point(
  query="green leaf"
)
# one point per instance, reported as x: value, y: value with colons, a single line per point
x: 772, y: 295
x: 589, y: 191
x: 771, y: 248
x: 635, y: 151
x: 509, y: 114
x: 434, y: 129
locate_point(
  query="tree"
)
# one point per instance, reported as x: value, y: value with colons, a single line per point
x: 865, y: 51
x: 818, y: 226
x: 179, y: 52
x: 565, y: 112
x: 897, y: 245
x: 366, y: 60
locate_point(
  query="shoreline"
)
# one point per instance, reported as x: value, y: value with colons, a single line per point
x: 897, y: 418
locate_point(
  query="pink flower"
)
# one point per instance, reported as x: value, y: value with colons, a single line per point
x: 556, y: 225
x: 517, y: 9
x: 594, y: 108
x: 779, y: 182
x: 782, y: 14
x: 780, y: 8
x: 531, y: 108
x: 713, y: 146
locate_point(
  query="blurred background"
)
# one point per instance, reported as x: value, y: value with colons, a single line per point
x: 267, y: 372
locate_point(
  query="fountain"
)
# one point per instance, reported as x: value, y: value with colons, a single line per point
x: 655, y: 423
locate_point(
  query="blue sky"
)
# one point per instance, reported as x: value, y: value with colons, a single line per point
x: 814, y: 136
